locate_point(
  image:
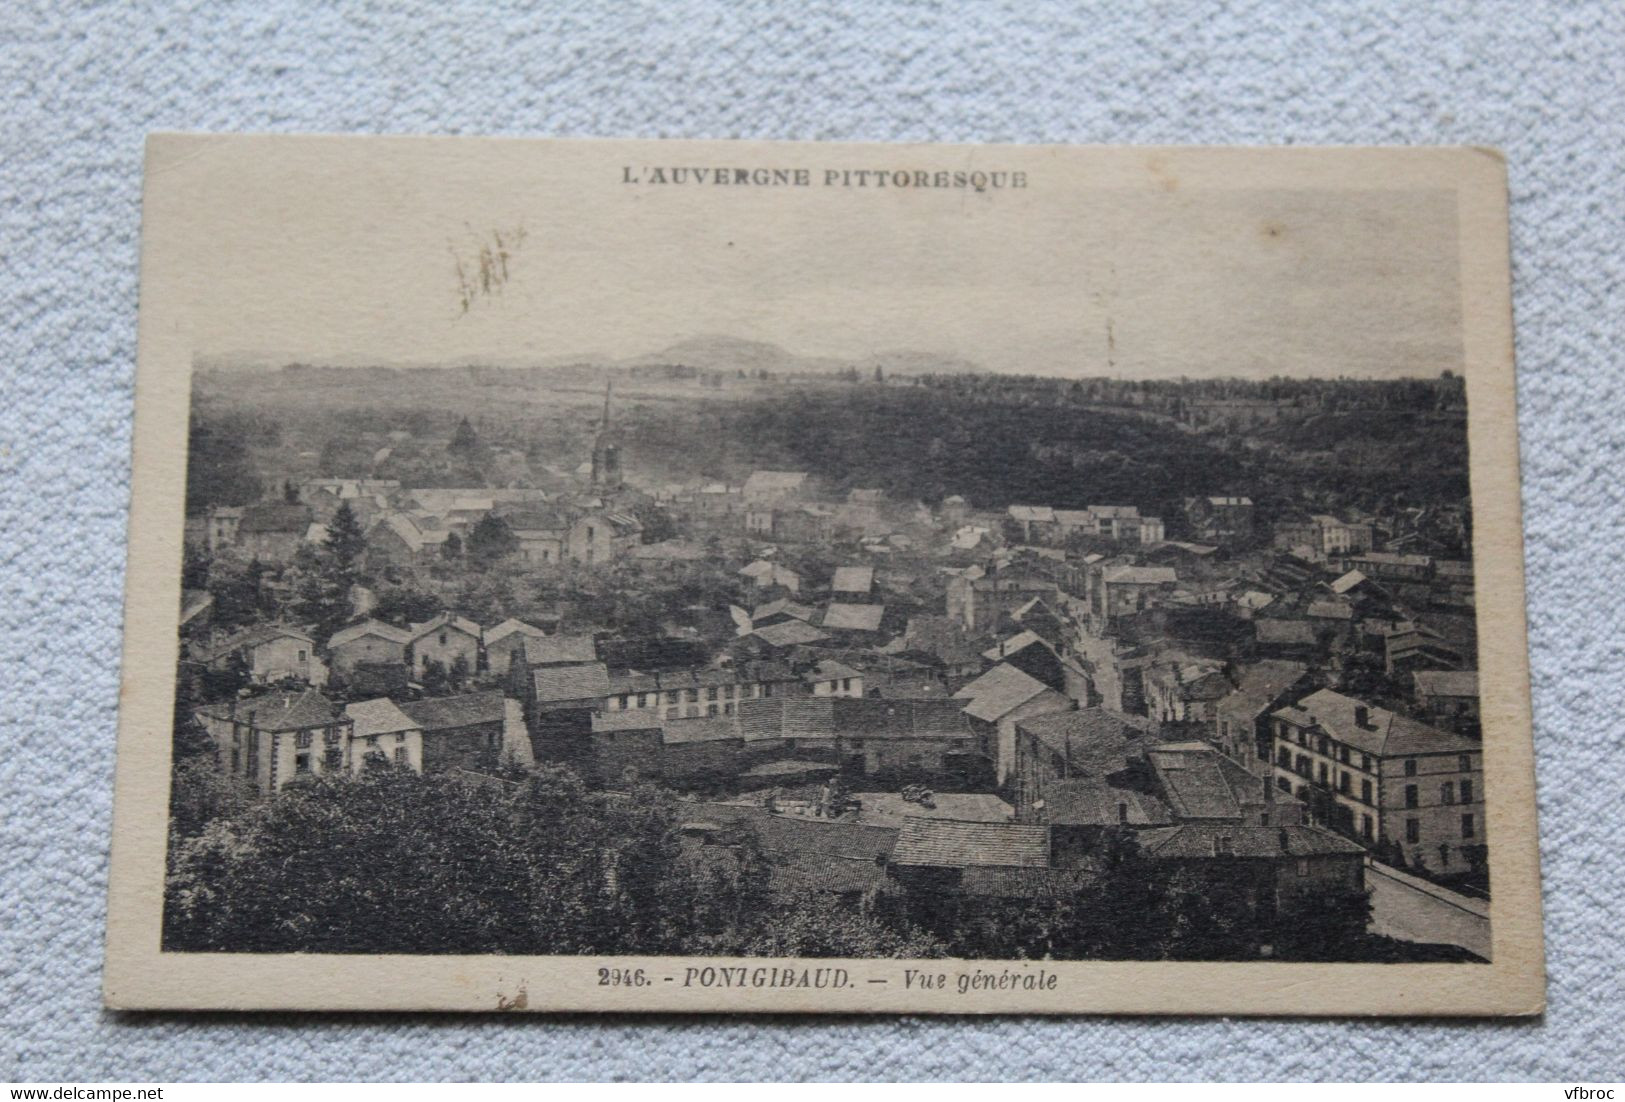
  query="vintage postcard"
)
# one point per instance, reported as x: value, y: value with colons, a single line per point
x: 734, y: 576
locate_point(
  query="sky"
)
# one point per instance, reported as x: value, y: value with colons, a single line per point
x: 346, y: 259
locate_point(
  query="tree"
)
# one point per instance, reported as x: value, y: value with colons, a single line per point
x: 346, y: 543
x: 218, y: 470
x: 491, y: 539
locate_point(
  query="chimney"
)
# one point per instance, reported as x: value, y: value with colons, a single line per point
x: 1362, y: 716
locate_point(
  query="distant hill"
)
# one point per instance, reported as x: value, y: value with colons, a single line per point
x: 710, y: 352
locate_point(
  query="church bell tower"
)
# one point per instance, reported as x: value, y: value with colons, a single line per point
x: 606, y: 451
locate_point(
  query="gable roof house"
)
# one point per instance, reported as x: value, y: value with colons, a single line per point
x: 460, y: 732
x: 446, y: 639
x: 1376, y: 775
x: 1065, y: 745
x: 271, y: 739
x: 502, y: 640
x: 1241, y: 719
x: 371, y: 642
x: 272, y: 531
x: 1002, y: 697
x: 852, y: 618
x: 269, y: 652
x: 380, y: 727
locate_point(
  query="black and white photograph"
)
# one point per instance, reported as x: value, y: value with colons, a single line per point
x: 937, y: 561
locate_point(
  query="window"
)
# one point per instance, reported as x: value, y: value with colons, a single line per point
x: 728, y: 709
x: 846, y: 684
x: 1343, y: 783
x: 1365, y: 762
x: 1303, y: 866
x: 1343, y: 754
x: 330, y: 737
x: 1303, y: 738
x: 711, y: 693
x: 1411, y: 796
x: 643, y: 700
x: 674, y: 696
x: 1413, y: 830
x: 1263, y: 818
x: 1444, y: 855
x: 710, y: 709
x: 1447, y: 793
x: 1467, y: 826
x: 693, y: 696
x: 1321, y: 773
x: 673, y: 713
x: 301, y: 763
x: 1466, y: 791
x: 333, y: 758
x: 1285, y: 757
x: 1324, y: 745
x: 442, y: 639
x: 1464, y: 763
x: 301, y: 740
x: 767, y: 690
x: 1365, y: 827
x: 1283, y: 784
x: 401, y: 756
x: 301, y: 656
x: 1410, y: 767
x: 1303, y: 766
x: 234, y: 753
x: 1365, y: 792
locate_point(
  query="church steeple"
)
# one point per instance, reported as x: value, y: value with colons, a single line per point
x: 606, y: 450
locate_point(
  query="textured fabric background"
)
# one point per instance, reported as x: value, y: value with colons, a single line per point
x: 83, y: 84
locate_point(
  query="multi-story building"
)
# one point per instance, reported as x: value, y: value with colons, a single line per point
x: 1381, y: 777
x: 269, y: 740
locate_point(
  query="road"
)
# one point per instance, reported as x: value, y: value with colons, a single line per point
x: 1411, y: 909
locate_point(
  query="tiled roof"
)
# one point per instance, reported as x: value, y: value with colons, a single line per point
x: 510, y: 626
x: 1018, y: 642
x: 763, y: 482
x: 279, y: 710
x: 1347, y: 582
x: 369, y: 627
x: 1091, y: 801
x: 252, y: 637
x: 445, y: 620
x: 784, y: 606
x: 553, y: 683
x: 446, y: 712
x: 279, y: 517
x: 632, y: 719
x: 378, y: 717
x: 829, y: 670
x: 1092, y: 741
x: 1330, y: 610
x: 845, y: 617
x: 948, y: 843
x: 557, y: 649
x: 999, y: 691
x: 1139, y: 575
x: 789, y: 633
x: 700, y: 729
x: 1447, y: 682
x: 853, y: 579
x: 1190, y: 840
x: 1385, y: 733
x: 890, y: 808
x: 1035, y: 513
x: 1259, y: 684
